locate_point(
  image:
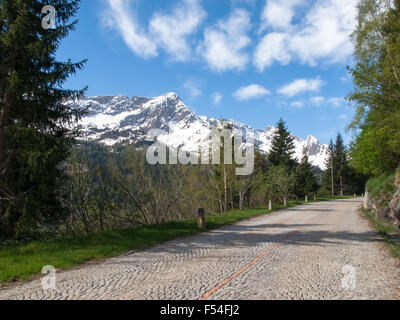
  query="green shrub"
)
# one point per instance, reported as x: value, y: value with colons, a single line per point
x: 383, y: 186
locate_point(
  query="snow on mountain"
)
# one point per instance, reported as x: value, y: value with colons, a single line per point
x: 115, y: 119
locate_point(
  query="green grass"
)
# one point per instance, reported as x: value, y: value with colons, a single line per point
x: 22, y: 261
x: 383, y: 185
x: 385, y: 229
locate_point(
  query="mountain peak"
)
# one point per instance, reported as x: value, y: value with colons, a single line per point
x: 118, y: 119
x: 168, y: 96
x: 172, y: 95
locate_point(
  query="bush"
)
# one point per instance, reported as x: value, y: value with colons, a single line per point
x: 383, y: 186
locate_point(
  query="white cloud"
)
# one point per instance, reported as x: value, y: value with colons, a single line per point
x: 322, y: 34
x: 172, y: 30
x: 317, y: 100
x: 272, y: 48
x: 301, y: 85
x: 297, y: 104
x: 119, y: 18
x: 217, y: 98
x: 166, y: 31
x: 279, y: 13
x: 326, y: 34
x: 192, y: 88
x: 250, y: 92
x: 335, y: 102
x: 309, y: 32
x: 223, y: 44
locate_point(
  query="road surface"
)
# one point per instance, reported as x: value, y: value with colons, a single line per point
x: 317, y: 251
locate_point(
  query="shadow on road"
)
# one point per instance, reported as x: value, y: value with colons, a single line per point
x: 265, y: 235
x: 246, y: 236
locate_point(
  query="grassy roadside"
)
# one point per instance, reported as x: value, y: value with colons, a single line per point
x: 385, y: 230
x: 23, y: 261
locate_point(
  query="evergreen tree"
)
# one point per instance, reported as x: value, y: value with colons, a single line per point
x: 345, y: 179
x: 340, y: 163
x: 306, y: 181
x: 282, y: 150
x: 35, y: 134
x: 328, y: 177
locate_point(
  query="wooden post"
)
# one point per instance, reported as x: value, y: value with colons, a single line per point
x: 306, y: 198
x: 333, y: 184
x: 270, y: 205
x: 284, y: 201
x: 355, y: 195
x: 201, y: 222
x: 315, y: 197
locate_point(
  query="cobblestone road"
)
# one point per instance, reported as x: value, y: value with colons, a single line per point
x: 298, y: 253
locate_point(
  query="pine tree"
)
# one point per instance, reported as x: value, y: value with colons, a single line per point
x: 340, y: 163
x: 345, y: 179
x: 329, y: 174
x: 35, y: 134
x: 306, y: 181
x: 282, y: 148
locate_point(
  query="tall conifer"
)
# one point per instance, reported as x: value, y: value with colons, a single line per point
x: 35, y: 124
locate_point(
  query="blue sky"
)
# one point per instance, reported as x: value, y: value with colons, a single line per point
x: 254, y: 61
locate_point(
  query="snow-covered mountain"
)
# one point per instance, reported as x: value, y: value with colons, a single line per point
x: 114, y: 119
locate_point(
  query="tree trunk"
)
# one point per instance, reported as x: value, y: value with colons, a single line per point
x: 270, y: 205
x: 225, y: 191
x: 4, y: 112
x: 333, y: 185
x: 241, y: 196
x: 341, y: 186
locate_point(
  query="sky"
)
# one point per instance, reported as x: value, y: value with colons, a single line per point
x: 254, y: 61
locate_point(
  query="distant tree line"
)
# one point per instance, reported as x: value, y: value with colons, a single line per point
x: 340, y: 177
x: 117, y: 189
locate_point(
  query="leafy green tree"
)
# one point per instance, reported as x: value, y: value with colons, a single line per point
x: 281, y: 183
x: 376, y: 77
x: 35, y: 134
x: 282, y: 147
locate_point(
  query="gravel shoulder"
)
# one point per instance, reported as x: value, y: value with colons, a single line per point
x: 304, y: 252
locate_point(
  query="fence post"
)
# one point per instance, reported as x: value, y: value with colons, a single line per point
x: 315, y: 197
x: 306, y: 198
x: 270, y: 205
x: 284, y: 201
x: 201, y: 222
